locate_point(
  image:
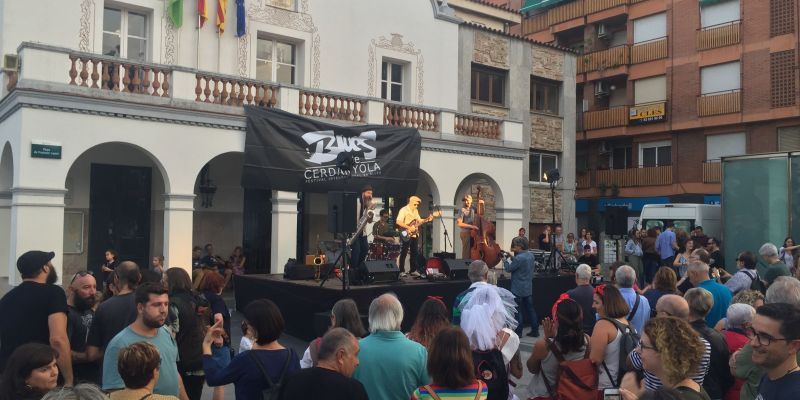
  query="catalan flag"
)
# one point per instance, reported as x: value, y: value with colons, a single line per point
x: 222, y: 9
x: 202, y: 12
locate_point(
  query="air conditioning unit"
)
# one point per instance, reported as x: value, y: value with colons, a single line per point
x: 10, y: 62
x: 604, y: 148
x: 601, y: 88
x: 602, y: 31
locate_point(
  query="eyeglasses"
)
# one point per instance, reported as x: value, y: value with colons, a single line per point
x: 643, y: 346
x: 763, y: 338
x: 80, y: 274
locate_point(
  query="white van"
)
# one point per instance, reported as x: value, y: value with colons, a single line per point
x: 683, y: 216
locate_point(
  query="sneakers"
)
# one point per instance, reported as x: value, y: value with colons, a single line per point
x: 403, y: 274
x: 415, y: 274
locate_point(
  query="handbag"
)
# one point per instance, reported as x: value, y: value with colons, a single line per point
x: 577, y: 379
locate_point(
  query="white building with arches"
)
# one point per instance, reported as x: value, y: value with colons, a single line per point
x: 114, y: 122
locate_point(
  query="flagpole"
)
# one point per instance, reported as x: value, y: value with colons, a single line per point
x: 219, y: 49
x: 197, y: 64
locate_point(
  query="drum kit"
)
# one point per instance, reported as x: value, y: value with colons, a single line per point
x: 383, y: 251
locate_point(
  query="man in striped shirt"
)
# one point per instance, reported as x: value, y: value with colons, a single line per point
x: 671, y: 305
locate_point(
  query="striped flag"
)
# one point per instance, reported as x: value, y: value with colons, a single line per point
x: 202, y: 12
x: 222, y: 9
x: 241, y: 18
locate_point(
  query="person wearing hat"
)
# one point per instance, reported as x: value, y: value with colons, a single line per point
x: 360, y: 245
x: 36, y: 311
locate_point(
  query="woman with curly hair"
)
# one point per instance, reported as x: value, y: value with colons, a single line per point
x: 671, y: 350
x: 431, y: 318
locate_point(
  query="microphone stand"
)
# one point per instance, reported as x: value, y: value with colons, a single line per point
x: 444, y: 226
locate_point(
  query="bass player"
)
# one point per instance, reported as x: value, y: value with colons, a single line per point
x: 409, y: 221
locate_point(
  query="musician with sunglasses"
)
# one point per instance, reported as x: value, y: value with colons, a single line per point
x: 81, y: 299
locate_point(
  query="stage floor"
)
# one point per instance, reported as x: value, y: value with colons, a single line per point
x: 304, y: 303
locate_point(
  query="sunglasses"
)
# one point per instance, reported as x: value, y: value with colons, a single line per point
x: 80, y: 274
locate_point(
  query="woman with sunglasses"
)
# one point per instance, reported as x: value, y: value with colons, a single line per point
x: 671, y: 350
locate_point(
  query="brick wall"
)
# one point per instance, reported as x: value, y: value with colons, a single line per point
x: 541, y: 205
x: 756, y: 83
x: 546, y: 133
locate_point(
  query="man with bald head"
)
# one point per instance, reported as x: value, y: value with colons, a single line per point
x: 114, y: 314
x: 390, y: 365
x: 671, y: 305
x: 81, y: 299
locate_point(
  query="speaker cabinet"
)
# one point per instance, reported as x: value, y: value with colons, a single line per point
x: 342, y: 213
x: 379, y: 271
x: 616, y: 218
x: 456, y: 268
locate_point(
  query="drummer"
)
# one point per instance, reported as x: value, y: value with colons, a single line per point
x: 381, y: 230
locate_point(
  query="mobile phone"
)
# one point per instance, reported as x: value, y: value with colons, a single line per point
x: 611, y: 394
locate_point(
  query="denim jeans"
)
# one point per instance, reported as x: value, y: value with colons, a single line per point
x: 525, y: 307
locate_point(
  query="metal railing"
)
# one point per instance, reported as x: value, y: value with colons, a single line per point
x: 726, y: 102
x: 712, y: 171
x: 650, y: 50
x: 604, y: 59
x: 719, y: 35
x: 614, y: 116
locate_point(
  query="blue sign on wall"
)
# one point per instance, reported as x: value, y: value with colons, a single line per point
x: 632, y: 203
x: 714, y: 199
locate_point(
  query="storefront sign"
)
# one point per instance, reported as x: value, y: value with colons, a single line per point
x: 45, y: 150
x: 648, y: 114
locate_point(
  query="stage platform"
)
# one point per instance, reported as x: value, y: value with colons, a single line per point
x: 304, y: 304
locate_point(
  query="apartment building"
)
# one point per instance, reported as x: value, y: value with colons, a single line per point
x: 666, y: 88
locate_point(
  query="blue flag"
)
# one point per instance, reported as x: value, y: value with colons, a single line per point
x: 241, y: 18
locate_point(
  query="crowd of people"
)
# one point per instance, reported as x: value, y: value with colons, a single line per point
x: 689, y: 331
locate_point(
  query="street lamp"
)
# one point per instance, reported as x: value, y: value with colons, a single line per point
x: 552, y: 177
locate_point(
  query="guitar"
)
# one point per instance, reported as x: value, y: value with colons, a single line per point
x: 413, y: 227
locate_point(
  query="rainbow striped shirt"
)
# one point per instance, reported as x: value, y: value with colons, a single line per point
x: 464, y: 393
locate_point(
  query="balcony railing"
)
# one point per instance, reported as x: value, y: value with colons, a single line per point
x: 411, y: 117
x: 650, y: 50
x: 535, y: 23
x: 631, y: 177
x: 44, y: 67
x: 332, y: 106
x: 712, y: 171
x: 719, y: 103
x: 719, y: 35
x: 594, y: 6
x: 469, y: 125
x: 603, y: 59
x: 565, y: 12
x: 231, y: 91
x: 615, y: 116
x: 118, y: 75
x: 583, y: 180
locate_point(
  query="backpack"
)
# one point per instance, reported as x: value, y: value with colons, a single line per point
x: 490, y: 368
x: 755, y: 282
x: 577, y: 379
x: 273, y: 392
x: 627, y: 342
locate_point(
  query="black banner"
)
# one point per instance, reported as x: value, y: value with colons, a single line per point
x: 284, y: 151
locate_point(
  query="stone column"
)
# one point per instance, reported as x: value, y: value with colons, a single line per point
x: 178, y: 225
x: 284, y: 229
x: 439, y: 241
x: 5, y: 231
x: 37, y: 223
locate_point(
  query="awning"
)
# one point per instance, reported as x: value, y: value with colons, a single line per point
x: 531, y: 5
x: 707, y: 2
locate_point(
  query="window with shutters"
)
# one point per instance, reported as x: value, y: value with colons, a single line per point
x: 782, y: 78
x: 789, y: 138
x: 781, y: 17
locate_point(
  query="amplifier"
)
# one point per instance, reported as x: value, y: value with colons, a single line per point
x: 299, y: 272
x: 380, y: 271
x: 456, y: 268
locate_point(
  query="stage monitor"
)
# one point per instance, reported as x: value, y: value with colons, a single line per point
x: 457, y: 268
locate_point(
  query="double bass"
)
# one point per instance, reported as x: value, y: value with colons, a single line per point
x: 483, y: 239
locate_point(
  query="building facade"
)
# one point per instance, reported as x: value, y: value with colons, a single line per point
x: 122, y: 130
x: 666, y: 88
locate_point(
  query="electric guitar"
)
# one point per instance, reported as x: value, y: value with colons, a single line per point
x: 413, y: 227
